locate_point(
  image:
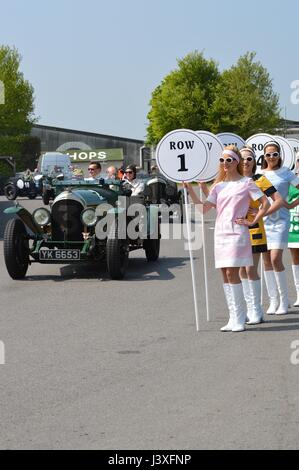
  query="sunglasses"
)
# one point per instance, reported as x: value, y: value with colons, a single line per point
x: 227, y: 160
x: 129, y: 171
x: 247, y: 159
x: 272, y: 154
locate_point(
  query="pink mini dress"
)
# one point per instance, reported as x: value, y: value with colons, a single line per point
x: 232, y: 246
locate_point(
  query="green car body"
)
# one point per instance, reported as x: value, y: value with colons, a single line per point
x: 68, y: 232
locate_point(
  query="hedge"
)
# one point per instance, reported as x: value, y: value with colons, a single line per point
x: 25, y: 149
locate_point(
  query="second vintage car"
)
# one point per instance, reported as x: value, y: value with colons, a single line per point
x: 21, y: 185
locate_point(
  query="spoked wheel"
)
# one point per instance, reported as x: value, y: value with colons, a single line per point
x: 10, y: 192
x: 117, y: 254
x: 16, y: 249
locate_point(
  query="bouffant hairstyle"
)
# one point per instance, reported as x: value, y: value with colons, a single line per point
x: 272, y: 143
x: 249, y: 149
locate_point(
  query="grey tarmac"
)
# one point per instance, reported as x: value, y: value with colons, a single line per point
x: 92, y: 363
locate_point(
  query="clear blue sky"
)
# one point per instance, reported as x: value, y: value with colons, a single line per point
x: 94, y: 63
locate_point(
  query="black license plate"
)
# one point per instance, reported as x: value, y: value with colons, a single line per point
x: 59, y: 255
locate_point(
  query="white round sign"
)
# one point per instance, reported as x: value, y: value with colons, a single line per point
x: 182, y: 155
x: 294, y: 143
x: 287, y: 150
x: 257, y: 142
x: 215, y: 149
x: 295, y: 146
x: 227, y: 138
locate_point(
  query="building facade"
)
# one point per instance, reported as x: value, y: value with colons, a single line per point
x: 86, y: 146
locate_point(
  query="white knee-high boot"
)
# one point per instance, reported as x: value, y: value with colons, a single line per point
x: 272, y: 291
x: 239, y: 306
x: 281, y: 280
x: 256, y: 315
x: 247, y: 297
x: 295, y: 269
x: 228, y: 297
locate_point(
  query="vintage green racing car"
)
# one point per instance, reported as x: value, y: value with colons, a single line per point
x: 87, y: 222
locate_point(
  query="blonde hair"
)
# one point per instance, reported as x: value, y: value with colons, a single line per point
x: 221, y: 173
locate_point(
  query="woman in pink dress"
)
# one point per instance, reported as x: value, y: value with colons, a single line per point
x: 230, y: 195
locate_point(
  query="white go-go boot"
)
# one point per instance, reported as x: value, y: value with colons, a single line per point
x: 272, y: 291
x: 228, y: 296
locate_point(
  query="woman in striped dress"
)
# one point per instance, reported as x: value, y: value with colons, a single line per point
x: 249, y: 275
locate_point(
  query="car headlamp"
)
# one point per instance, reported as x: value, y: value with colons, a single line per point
x: 41, y: 216
x: 89, y: 217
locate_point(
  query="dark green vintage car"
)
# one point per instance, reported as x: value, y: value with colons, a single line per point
x: 87, y: 222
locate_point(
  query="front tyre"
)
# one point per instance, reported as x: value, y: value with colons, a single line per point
x: 117, y: 254
x: 16, y: 249
x: 152, y: 249
x: 10, y: 191
x: 46, y: 195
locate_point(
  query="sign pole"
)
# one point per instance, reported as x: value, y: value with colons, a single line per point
x: 205, y: 260
x: 191, y: 259
x: 177, y: 156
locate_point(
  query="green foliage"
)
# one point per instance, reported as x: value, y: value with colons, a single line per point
x: 9, y: 146
x: 196, y: 96
x: 184, y: 97
x: 16, y: 114
x: 26, y: 150
x: 245, y: 101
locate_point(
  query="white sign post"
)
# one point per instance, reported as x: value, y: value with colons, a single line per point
x: 215, y: 149
x: 182, y: 155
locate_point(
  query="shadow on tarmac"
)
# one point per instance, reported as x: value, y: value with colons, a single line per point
x: 287, y: 323
x: 138, y: 270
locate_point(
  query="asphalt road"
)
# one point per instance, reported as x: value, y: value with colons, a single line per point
x: 92, y: 363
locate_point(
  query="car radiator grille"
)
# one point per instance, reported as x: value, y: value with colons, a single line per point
x: 66, y: 221
x: 157, y: 192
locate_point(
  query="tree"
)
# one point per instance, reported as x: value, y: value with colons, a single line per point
x: 245, y: 102
x: 16, y: 114
x: 184, y: 97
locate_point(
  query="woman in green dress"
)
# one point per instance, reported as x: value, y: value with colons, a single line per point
x: 293, y: 242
